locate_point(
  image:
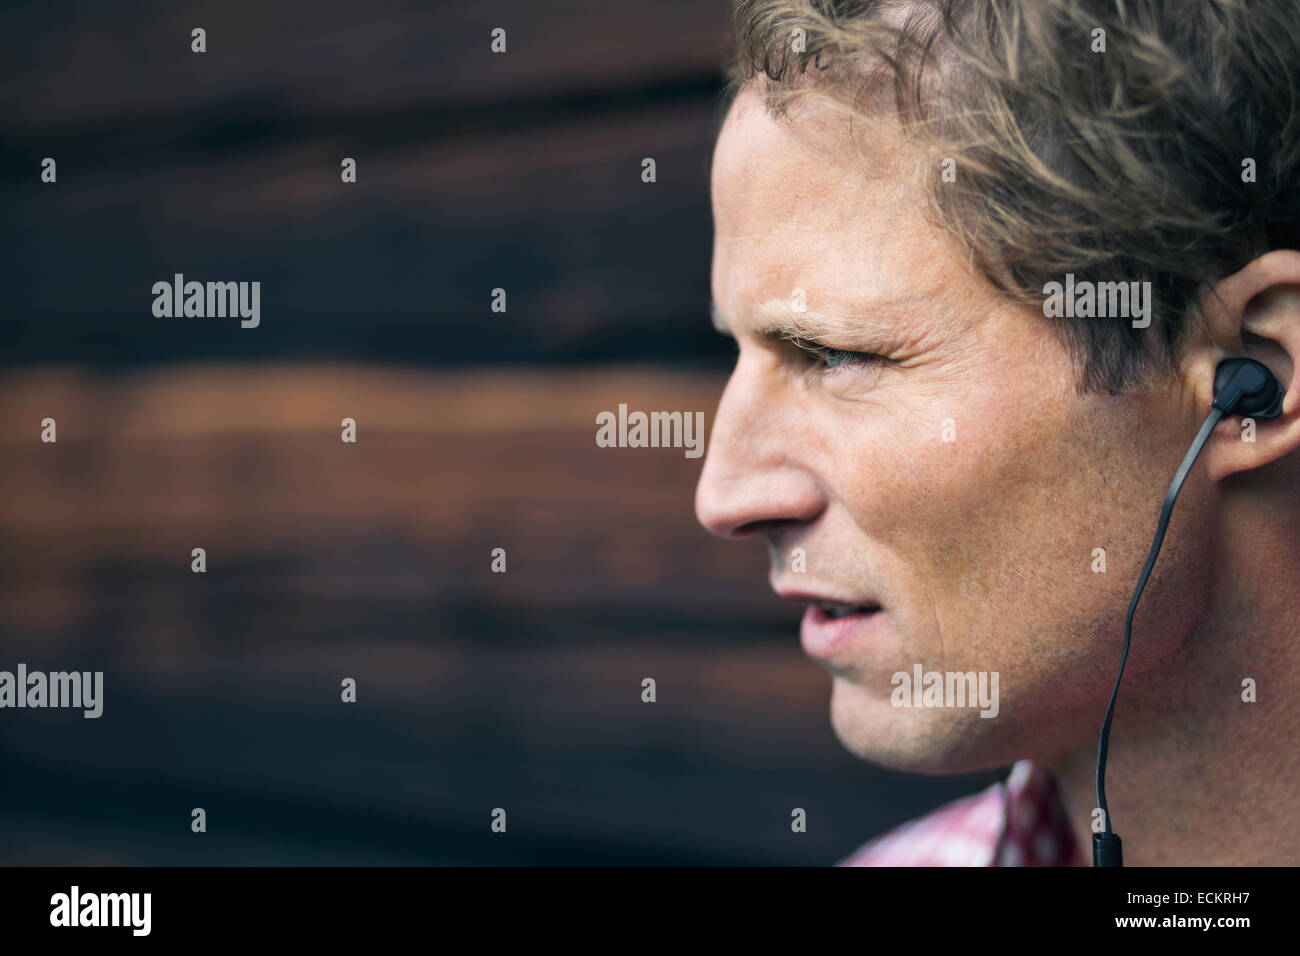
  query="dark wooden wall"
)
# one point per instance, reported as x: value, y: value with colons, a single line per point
x: 476, y: 430
x: 475, y: 171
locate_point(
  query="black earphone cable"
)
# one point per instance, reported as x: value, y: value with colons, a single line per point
x: 1106, y: 845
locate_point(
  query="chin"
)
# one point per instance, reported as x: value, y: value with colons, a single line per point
x: 911, y: 739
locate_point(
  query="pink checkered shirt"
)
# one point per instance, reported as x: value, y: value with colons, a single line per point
x: 967, y: 832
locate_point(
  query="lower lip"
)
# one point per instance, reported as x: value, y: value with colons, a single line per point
x: 823, y: 635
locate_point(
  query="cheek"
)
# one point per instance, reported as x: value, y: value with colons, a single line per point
x: 937, y: 496
x: 990, y: 547
x: 981, y: 530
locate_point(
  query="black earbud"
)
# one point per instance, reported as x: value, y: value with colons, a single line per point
x: 1242, y: 387
x: 1247, y: 388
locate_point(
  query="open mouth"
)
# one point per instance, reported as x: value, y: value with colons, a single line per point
x: 835, y: 611
x: 830, y: 626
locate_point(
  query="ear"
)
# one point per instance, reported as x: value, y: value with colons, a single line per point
x: 1253, y: 313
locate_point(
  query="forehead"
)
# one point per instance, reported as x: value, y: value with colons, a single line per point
x: 807, y: 161
x: 809, y: 202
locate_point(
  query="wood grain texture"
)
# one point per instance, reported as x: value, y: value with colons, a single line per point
x: 476, y: 171
x: 476, y: 690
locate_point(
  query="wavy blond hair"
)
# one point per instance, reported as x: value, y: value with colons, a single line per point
x: 1120, y: 165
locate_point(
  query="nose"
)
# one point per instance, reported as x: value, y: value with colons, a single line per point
x: 753, y: 480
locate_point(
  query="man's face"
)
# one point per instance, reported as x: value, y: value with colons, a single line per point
x: 951, y: 476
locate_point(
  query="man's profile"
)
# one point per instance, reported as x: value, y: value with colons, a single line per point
x: 981, y: 261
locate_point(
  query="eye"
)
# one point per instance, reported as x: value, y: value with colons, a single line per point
x: 834, y: 358
x: 831, y: 358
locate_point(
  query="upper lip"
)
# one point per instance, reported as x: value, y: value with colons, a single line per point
x: 793, y: 594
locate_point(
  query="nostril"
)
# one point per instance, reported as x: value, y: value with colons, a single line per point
x: 759, y: 501
x: 762, y: 526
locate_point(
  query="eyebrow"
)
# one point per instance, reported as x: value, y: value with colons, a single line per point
x: 783, y: 325
x: 778, y: 322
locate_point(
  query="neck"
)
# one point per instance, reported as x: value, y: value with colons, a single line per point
x: 1197, y: 776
